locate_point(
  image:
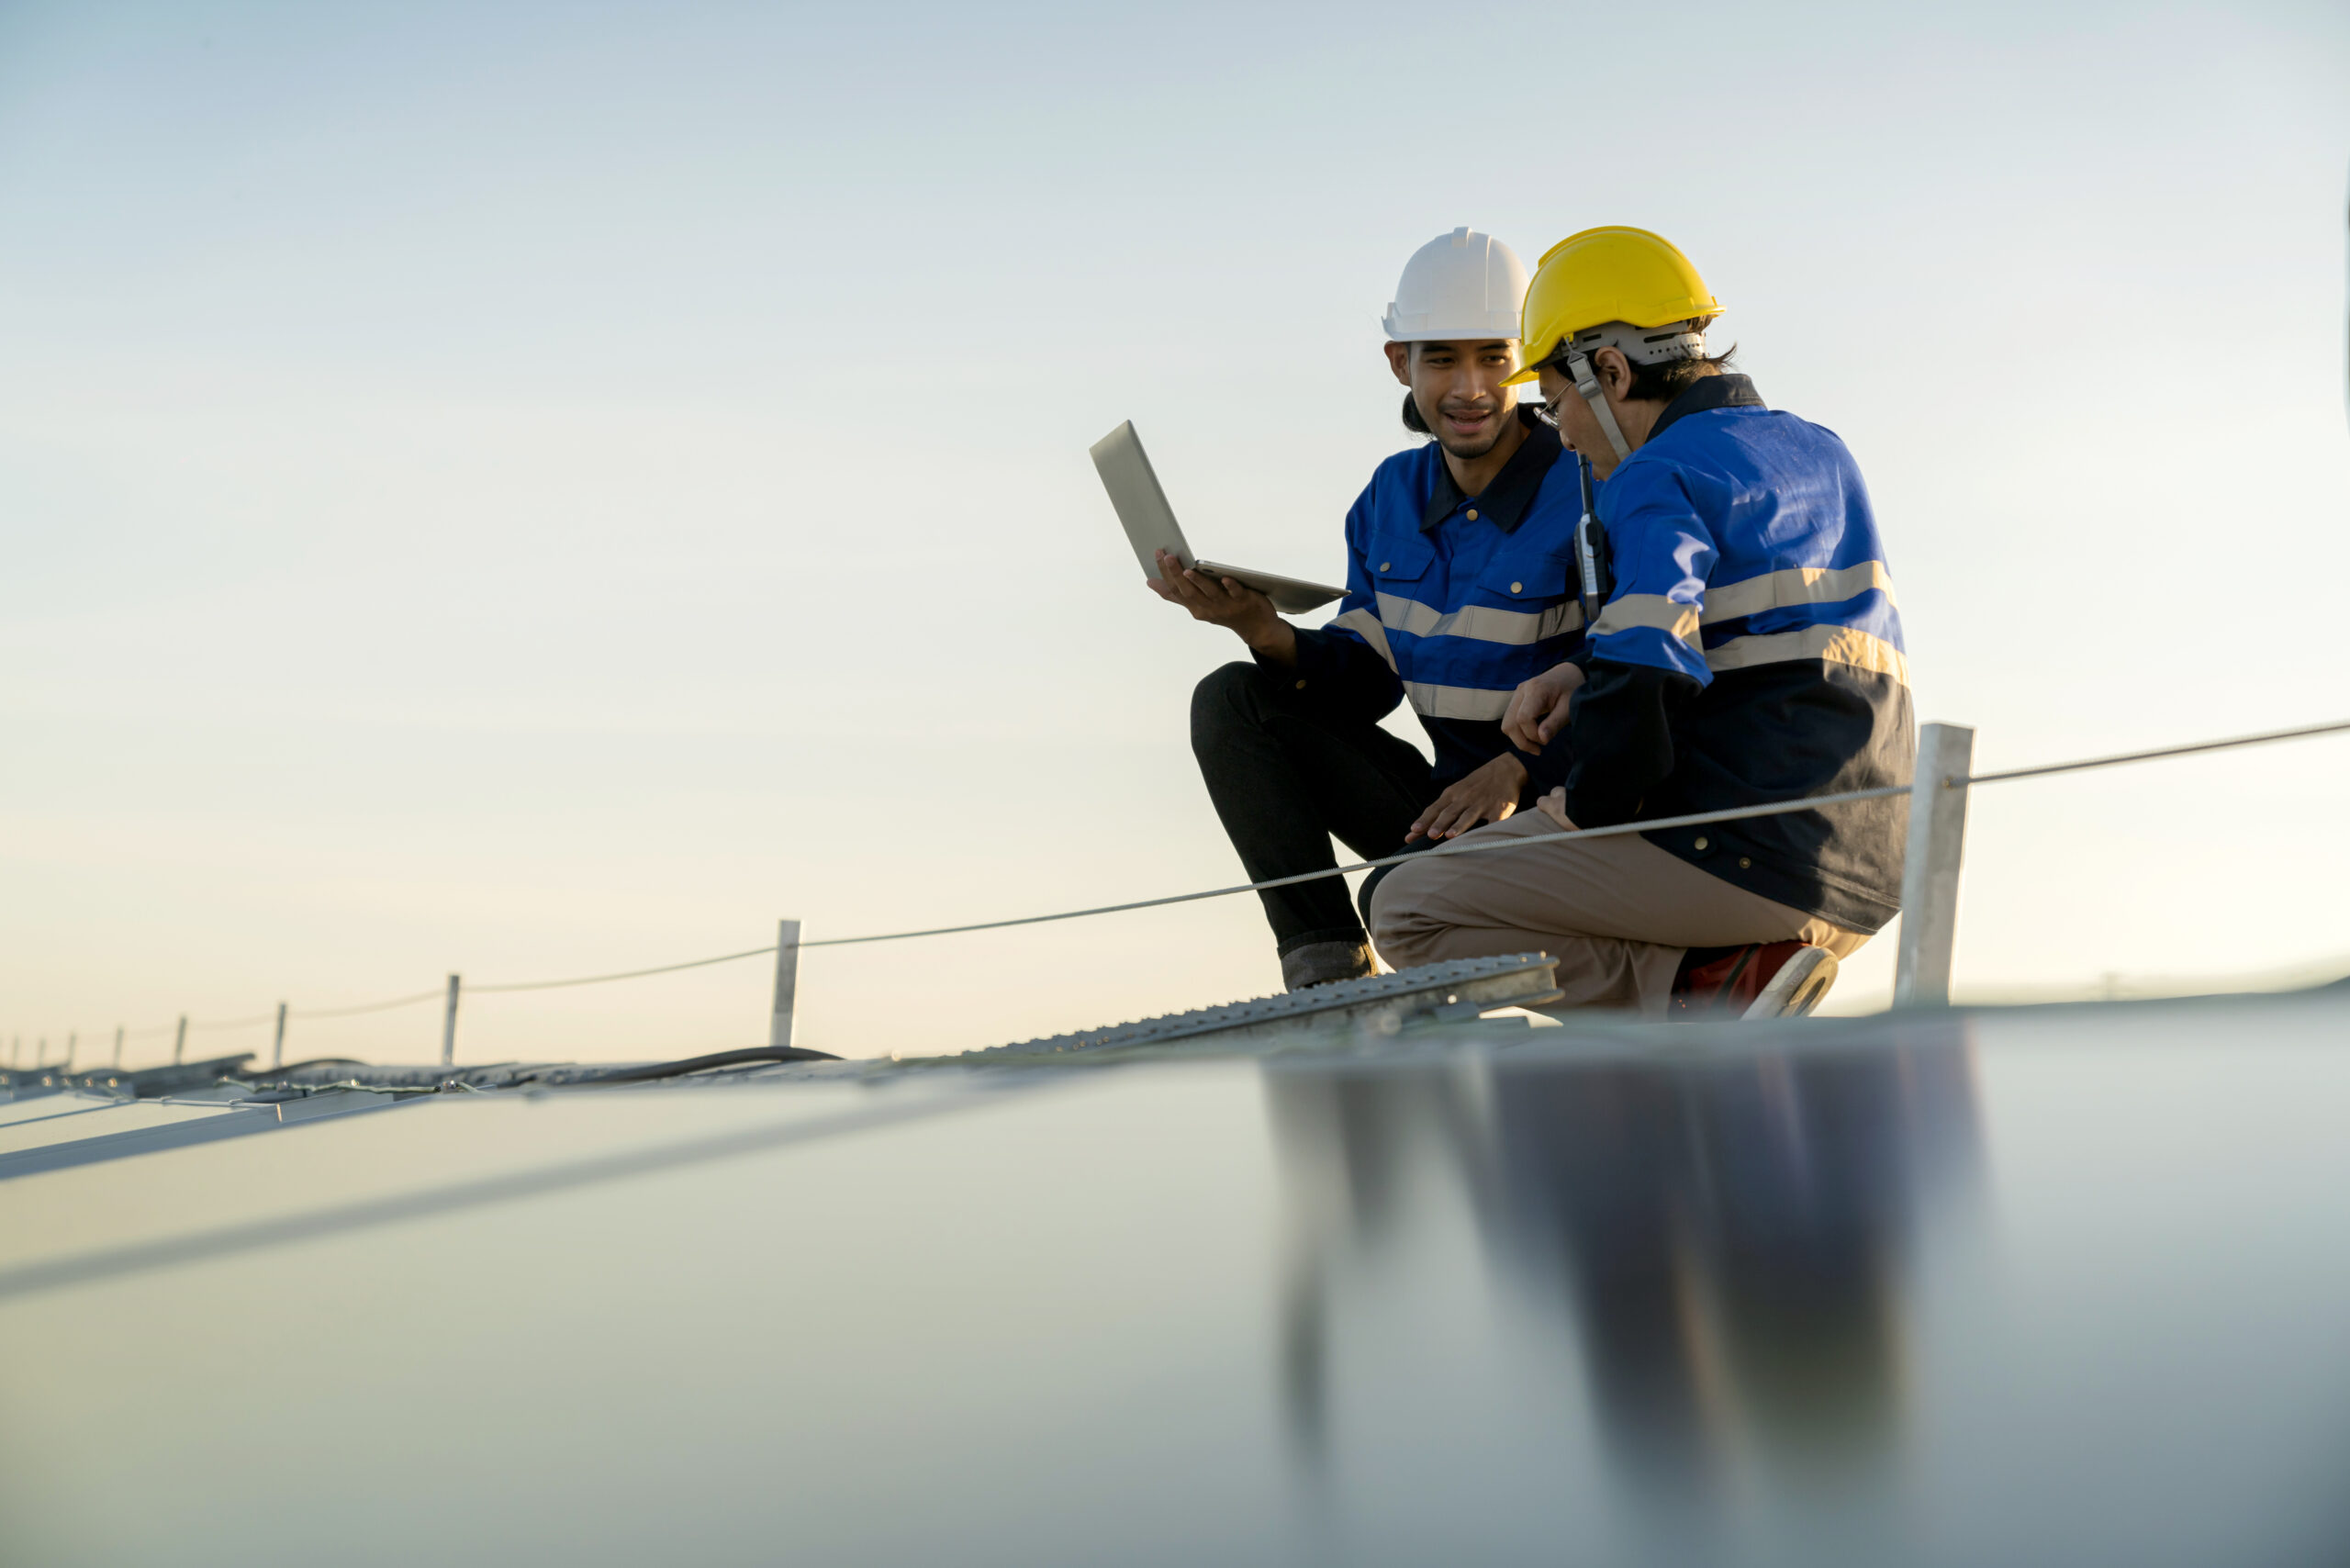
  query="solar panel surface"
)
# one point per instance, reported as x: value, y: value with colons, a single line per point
x: 2057, y: 1286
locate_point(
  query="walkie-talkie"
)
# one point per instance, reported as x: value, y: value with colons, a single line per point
x: 1591, y: 554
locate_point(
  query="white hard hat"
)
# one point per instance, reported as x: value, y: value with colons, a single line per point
x: 1461, y: 285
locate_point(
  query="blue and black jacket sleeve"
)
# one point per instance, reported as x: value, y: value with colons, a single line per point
x: 1339, y: 673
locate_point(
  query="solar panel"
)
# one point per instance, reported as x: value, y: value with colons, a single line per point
x: 2040, y: 1286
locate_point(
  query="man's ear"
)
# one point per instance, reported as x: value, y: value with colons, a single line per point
x: 1615, y: 373
x: 1399, y: 360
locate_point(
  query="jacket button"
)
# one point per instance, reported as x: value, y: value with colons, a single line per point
x: 1301, y: 685
x: 1743, y: 863
x: 1701, y: 843
x: 1472, y: 514
x: 1517, y: 587
x: 1382, y: 566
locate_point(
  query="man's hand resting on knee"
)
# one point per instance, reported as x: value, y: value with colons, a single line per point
x: 1554, y: 806
x: 1537, y: 709
x: 1485, y: 796
x: 1223, y: 601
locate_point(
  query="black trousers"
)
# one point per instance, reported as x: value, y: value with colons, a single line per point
x: 1285, y: 785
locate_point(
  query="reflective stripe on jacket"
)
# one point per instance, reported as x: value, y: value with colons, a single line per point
x: 1452, y: 600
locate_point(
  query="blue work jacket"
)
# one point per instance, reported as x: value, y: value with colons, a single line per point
x: 1749, y: 650
x: 1451, y: 602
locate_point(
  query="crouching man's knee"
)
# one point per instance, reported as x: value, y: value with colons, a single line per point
x: 1406, y: 926
x: 1225, y: 700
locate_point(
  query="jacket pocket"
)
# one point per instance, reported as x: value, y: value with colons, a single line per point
x: 1532, y: 581
x: 1399, y: 558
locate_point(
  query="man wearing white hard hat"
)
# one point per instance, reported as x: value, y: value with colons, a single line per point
x: 1458, y: 589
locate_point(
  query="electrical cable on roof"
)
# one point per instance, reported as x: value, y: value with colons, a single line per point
x: 652, y: 1071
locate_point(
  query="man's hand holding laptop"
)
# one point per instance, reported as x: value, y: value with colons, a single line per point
x: 1229, y: 603
x: 1487, y: 795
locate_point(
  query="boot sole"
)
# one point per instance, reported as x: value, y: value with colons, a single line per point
x: 1800, y: 987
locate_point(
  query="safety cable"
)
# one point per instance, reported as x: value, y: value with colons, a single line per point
x: 1696, y: 819
x: 368, y: 1007
x: 252, y: 1023
x: 624, y: 974
x: 2119, y: 757
x: 1459, y: 847
x: 305, y: 1014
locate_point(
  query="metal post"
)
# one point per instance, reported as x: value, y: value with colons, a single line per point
x: 118, y: 1044
x: 179, y: 1041
x: 787, y: 981
x: 277, y: 1047
x: 1930, y: 877
x: 40, y: 1054
x: 449, y: 1027
x: 72, y: 1040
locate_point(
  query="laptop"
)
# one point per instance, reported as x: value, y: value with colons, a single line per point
x: 1150, y: 525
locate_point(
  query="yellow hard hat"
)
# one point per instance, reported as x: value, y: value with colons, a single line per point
x: 1606, y: 275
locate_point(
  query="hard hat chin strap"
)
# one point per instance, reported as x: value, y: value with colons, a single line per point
x: 1578, y: 365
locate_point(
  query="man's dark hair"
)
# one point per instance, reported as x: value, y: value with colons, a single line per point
x: 1664, y: 383
x: 1656, y: 383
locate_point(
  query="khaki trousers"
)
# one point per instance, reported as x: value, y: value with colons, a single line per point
x: 1617, y: 913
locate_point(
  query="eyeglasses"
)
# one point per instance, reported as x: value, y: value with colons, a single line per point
x: 1548, y: 411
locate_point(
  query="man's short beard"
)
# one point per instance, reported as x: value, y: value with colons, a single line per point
x: 1502, y: 418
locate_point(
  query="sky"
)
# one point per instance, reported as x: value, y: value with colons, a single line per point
x: 529, y: 490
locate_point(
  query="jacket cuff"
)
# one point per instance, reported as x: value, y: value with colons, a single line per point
x: 1333, y: 671
x: 1623, y: 732
x: 1548, y: 768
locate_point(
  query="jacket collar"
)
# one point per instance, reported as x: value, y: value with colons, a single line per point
x: 1512, y: 491
x: 1705, y: 394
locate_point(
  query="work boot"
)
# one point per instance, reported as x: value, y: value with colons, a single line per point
x: 1320, y: 963
x: 1759, y: 980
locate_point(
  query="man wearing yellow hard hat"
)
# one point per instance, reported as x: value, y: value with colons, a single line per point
x: 1746, y: 650
x: 1456, y: 593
